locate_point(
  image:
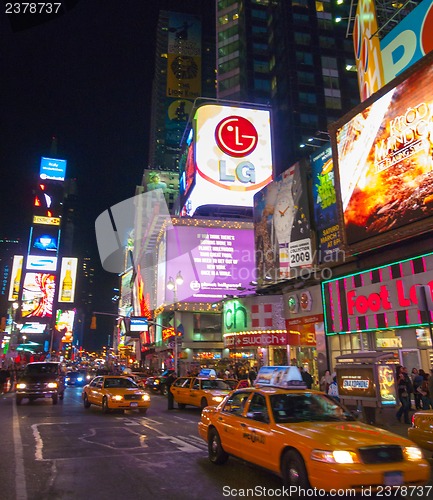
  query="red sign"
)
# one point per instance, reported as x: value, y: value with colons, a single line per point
x: 259, y: 340
x: 236, y: 136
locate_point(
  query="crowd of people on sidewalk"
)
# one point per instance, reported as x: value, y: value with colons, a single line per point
x: 417, y: 387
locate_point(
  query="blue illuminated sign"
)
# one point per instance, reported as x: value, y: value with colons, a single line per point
x: 52, y: 169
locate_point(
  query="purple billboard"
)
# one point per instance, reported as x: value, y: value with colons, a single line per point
x: 212, y: 262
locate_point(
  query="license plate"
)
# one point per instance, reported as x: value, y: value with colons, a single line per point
x: 134, y: 404
x: 48, y: 395
x: 393, y: 479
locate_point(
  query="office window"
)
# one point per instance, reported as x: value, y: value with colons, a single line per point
x: 333, y: 102
x: 229, y: 17
x: 307, y: 98
x: 308, y: 119
x: 261, y: 66
x: 305, y: 78
x: 260, y: 84
x: 259, y: 14
x: 331, y: 82
x: 229, y: 83
x: 257, y: 30
x: 302, y: 38
x: 301, y: 19
x: 228, y: 33
x: 329, y: 62
x: 327, y: 42
x: 223, y: 4
x: 228, y: 66
x: 304, y: 58
x: 228, y: 49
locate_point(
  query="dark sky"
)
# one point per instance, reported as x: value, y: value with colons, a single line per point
x: 85, y: 78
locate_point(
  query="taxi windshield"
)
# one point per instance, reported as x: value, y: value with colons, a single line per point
x: 215, y: 384
x: 307, y: 408
x: 119, y: 383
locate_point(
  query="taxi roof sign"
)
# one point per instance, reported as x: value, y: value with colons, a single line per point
x: 284, y: 377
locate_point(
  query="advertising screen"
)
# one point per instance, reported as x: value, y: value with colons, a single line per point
x: 44, y: 240
x: 38, y: 295
x: 52, y: 168
x: 212, y: 261
x: 325, y: 204
x: 65, y: 323
x: 38, y: 263
x: 233, y: 156
x: 138, y: 324
x: 384, y: 161
x: 16, y: 273
x: 282, y: 226
x: 48, y: 202
x: 68, y: 279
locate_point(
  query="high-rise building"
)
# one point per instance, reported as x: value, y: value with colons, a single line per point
x: 184, y: 71
x: 293, y: 56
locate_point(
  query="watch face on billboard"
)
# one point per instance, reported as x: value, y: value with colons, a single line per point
x: 38, y: 295
x: 385, y: 161
x: 233, y: 156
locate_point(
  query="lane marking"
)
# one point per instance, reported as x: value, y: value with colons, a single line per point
x: 20, y: 476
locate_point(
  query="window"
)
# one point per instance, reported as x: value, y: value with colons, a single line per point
x: 329, y: 62
x: 229, y: 83
x: 260, y: 46
x: 261, y: 66
x: 258, y: 409
x: 302, y: 38
x: 260, y: 84
x: 259, y: 14
x: 300, y: 19
x: 228, y: 49
x: 305, y: 78
x: 229, y: 65
x: 304, y: 58
x: 309, y: 119
x: 259, y: 30
x: 236, y: 403
x: 307, y: 98
x: 228, y: 33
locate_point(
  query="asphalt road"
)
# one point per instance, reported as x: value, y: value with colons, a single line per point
x: 65, y: 452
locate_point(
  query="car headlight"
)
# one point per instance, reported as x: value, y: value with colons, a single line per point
x: 218, y: 399
x: 21, y: 385
x: 52, y: 385
x: 145, y: 397
x: 335, y: 457
x: 116, y: 397
x: 156, y: 382
x: 412, y: 453
x: 79, y: 379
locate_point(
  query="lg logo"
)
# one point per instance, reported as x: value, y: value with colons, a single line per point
x: 236, y: 136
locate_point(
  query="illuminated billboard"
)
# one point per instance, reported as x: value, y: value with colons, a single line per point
x: 53, y: 169
x: 282, y: 226
x: 38, y: 263
x: 68, y: 279
x: 38, y: 295
x: 384, y: 165
x: 16, y: 273
x: 48, y: 202
x: 325, y: 204
x: 233, y: 156
x: 367, y: 49
x: 44, y: 240
x: 408, y: 41
x: 65, y: 324
x: 212, y: 261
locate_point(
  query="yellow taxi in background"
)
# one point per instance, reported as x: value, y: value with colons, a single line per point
x: 309, y: 439
x: 421, y: 431
x: 115, y: 392
x: 199, y: 391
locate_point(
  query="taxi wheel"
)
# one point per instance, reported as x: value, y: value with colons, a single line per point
x: 181, y: 406
x: 86, y: 403
x: 105, y: 408
x: 203, y: 403
x: 294, y: 471
x: 217, y: 455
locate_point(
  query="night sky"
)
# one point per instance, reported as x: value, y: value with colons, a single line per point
x: 84, y: 78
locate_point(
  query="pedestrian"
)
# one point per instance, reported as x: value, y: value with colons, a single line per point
x: 417, y: 377
x: 430, y: 386
x: 252, y: 374
x: 306, y: 377
x: 168, y: 383
x: 333, y: 389
x: 326, y: 381
x: 423, y: 391
x: 404, y: 387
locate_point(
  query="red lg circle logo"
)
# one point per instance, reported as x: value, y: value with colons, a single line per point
x: 236, y: 136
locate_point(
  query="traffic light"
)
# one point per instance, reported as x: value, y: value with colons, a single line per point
x: 93, y: 323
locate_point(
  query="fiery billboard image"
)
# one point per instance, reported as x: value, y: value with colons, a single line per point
x: 38, y: 295
x: 385, y: 165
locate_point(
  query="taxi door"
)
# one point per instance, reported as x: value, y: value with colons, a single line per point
x: 258, y: 439
x: 180, y: 389
x: 94, y: 393
x: 230, y: 423
x: 194, y: 394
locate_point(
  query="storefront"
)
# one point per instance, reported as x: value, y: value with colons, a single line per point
x: 305, y: 334
x: 254, y: 330
x: 380, y: 309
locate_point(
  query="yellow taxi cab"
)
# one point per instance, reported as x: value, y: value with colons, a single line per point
x: 421, y: 431
x: 115, y: 392
x: 199, y: 391
x: 307, y: 438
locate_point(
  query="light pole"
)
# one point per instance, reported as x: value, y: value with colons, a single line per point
x: 172, y: 285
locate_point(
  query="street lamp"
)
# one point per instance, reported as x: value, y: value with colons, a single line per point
x: 172, y: 285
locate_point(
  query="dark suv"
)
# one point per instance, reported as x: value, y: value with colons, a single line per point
x: 157, y: 384
x: 41, y: 380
